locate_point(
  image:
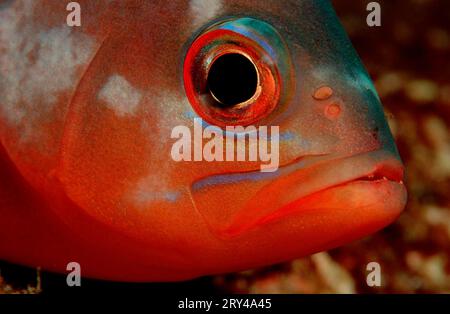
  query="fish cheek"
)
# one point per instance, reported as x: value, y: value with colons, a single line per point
x: 105, y: 150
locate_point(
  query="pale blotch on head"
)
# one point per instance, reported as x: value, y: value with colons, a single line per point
x: 37, y: 64
x: 202, y: 11
x: 120, y: 96
x: 151, y: 189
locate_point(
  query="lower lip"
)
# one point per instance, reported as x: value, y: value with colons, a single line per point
x: 385, y: 197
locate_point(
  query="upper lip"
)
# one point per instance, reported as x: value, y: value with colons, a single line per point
x: 298, y: 182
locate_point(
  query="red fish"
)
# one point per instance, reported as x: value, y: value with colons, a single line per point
x: 86, y: 120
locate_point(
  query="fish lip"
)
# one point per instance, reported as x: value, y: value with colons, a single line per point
x: 380, y: 166
x: 384, y: 171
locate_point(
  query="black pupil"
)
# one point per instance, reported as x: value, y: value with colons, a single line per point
x: 232, y: 79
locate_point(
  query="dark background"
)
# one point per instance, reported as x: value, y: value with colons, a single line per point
x: 408, y: 59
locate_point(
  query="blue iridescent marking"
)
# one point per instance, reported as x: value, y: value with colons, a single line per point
x: 243, y: 31
x: 234, y: 178
x: 172, y: 196
x: 231, y: 178
x: 190, y: 114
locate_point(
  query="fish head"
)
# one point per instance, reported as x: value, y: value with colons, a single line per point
x: 143, y: 69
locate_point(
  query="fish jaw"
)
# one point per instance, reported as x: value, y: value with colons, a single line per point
x: 368, y: 186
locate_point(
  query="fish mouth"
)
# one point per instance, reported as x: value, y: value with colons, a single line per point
x: 338, y: 182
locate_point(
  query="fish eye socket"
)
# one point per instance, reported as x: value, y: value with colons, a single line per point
x: 232, y: 79
x: 238, y: 72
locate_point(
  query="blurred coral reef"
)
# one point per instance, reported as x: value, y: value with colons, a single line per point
x: 408, y: 58
x: 7, y: 288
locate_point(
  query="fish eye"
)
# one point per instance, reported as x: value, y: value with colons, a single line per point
x: 238, y: 72
x: 232, y: 79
